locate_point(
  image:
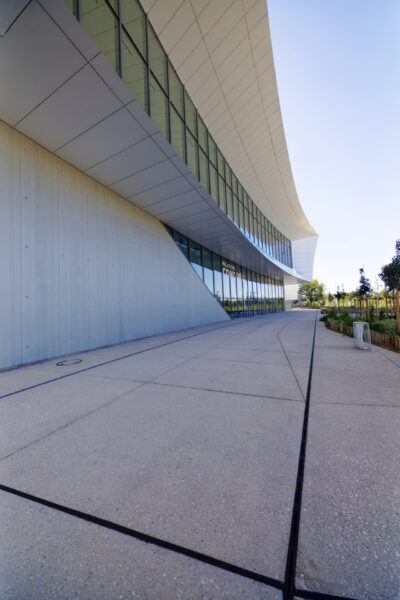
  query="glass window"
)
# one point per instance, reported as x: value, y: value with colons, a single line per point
x: 212, y: 150
x: 158, y: 59
x: 182, y: 242
x: 217, y: 266
x: 195, y: 258
x: 228, y: 174
x: 192, y: 153
x: 221, y: 164
x: 203, y: 170
x: 177, y: 133
x: 134, y: 71
x: 214, y: 183
x: 241, y: 216
x: 208, y: 270
x: 229, y: 206
x: 134, y: 21
x: 221, y: 190
x: 190, y: 115
x: 159, y: 107
x: 202, y: 135
x: 234, y: 184
x: 175, y: 90
x: 102, y: 26
x: 236, y: 209
x: 226, y: 279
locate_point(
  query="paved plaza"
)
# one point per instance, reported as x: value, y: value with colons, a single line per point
x: 166, y: 468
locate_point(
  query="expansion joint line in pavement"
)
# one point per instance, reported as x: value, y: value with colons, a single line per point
x: 289, y: 589
x: 144, y: 537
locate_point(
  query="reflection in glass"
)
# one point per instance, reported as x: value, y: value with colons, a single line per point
x: 190, y: 115
x: 102, y: 26
x: 159, y: 107
x: 192, y: 153
x: 158, y: 59
x: 195, y: 258
x: 176, y: 91
x: 203, y: 170
x: 182, y: 242
x: 208, y: 270
x: 134, y: 71
x: 217, y: 266
x: 134, y: 20
x: 178, y: 133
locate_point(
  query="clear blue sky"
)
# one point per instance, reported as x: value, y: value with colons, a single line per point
x: 338, y: 71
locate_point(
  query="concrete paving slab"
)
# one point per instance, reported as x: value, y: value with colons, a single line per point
x: 350, y: 522
x: 30, y: 415
x: 345, y: 375
x: 141, y: 367
x: 211, y: 471
x: 48, y: 554
x: 246, y: 378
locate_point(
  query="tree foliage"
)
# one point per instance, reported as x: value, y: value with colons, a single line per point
x: 390, y: 275
x: 365, y: 288
x: 312, y: 293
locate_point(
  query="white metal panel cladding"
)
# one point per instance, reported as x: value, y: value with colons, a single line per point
x: 223, y: 55
x: 81, y: 267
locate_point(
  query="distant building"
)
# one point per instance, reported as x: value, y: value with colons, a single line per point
x: 128, y: 131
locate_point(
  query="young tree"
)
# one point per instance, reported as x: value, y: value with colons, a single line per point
x: 365, y: 288
x: 390, y: 275
x: 312, y: 293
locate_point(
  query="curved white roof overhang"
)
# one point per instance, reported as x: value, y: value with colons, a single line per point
x: 222, y: 52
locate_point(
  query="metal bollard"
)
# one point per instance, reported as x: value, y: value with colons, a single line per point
x: 362, y: 335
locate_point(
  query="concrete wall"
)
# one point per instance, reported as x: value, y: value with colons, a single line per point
x: 80, y: 267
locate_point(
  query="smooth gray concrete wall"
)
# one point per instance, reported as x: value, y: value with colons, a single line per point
x: 80, y: 267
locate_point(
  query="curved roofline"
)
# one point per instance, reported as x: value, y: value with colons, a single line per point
x: 224, y: 58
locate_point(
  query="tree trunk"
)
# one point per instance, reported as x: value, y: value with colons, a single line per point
x: 397, y: 311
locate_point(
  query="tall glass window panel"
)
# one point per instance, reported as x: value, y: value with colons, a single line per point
x: 202, y: 135
x: 182, y: 243
x: 212, y: 151
x: 235, y: 209
x: 159, y: 107
x: 246, y: 222
x: 241, y: 216
x: 221, y: 164
x: 195, y: 259
x: 208, y: 270
x: 178, y: 133
x: 226, y: 279
x: 217, y: 267
x: 214, y: 183
x: 192, y: 153
x: 234, y: 184
x: 158, y: 59
x: 203, y: 170
x: 232, y: 276
x: 102, y: 26
x: 134, y: 21
x: 191, y: 117
x: 229, y: 205
x: 228, y: 175
x: 134, y: 71
x: 221, y: 190
x: 175, y: 91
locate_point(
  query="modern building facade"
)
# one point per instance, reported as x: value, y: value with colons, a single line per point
x: 145, y: 182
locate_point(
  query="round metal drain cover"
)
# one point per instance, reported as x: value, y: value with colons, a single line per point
x: 69, y: 361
